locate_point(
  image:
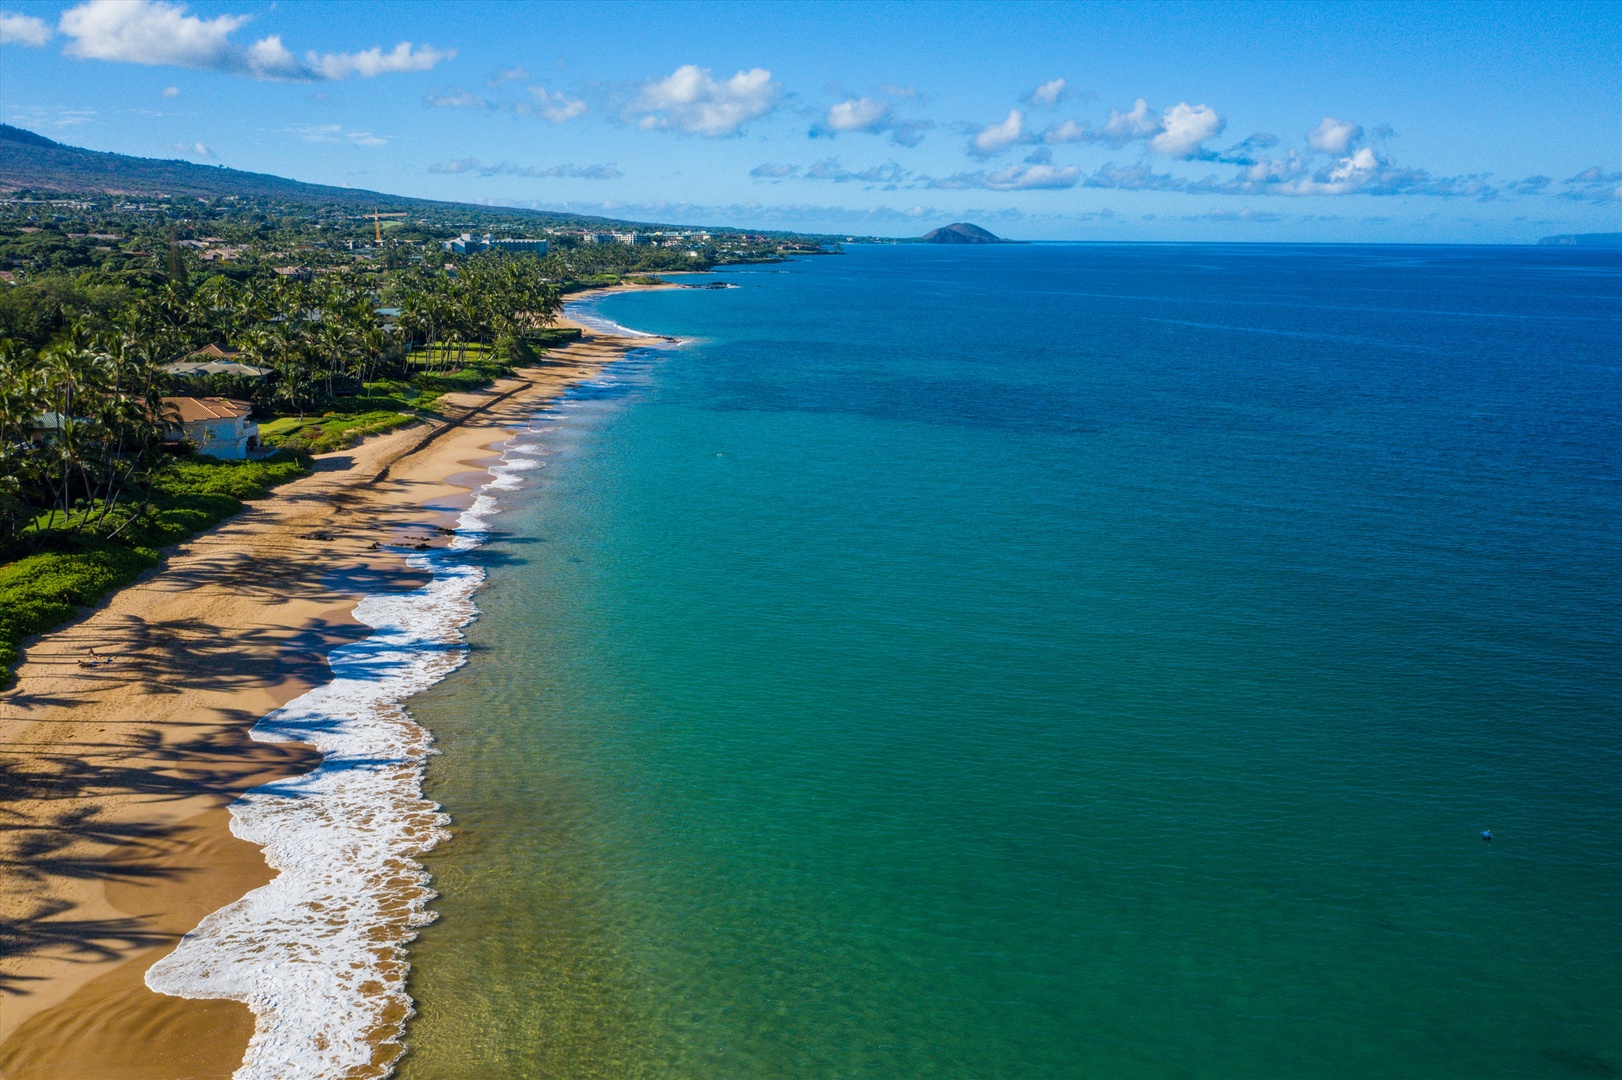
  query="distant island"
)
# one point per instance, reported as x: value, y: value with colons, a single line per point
x: 1587, y: 239
x: 962, y: 233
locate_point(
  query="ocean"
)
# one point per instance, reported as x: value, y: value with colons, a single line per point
x: 1050, y: 661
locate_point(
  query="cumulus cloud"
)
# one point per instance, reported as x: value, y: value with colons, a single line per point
x: 1362, y: 173
x: 1532, y: 185
x: 1183, y: 128
x: 858, y: 114
x: 505, y: 168
x: 171, y: 91
x: 1333, y: 136
x: 1180, y: 131
x: 193, y: 149
x: 157, y: 33
x: 554, y: 105
x: 872, y: 116
x: 691, y: 101
x: 1025, y: 177
x: 374, y: 61
x: 1594, y: 185
x: 768, y: 171
x: 22, y: 29
x: 1013, y: 178
x: 993, y: 139
x: 1123, y: 127
x: 1048, y: 95
x: 890, y: 173
x: 1068, y: 131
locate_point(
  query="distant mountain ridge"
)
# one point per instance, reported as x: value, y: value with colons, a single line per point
x: 31, y: 162
x: 962, y: 232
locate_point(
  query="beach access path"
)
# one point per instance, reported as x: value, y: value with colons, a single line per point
x: 116, y: 779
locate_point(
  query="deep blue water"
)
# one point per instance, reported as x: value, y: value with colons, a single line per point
x: 1055, y: 660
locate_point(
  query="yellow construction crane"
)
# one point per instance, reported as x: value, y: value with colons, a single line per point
x: 377, y: 223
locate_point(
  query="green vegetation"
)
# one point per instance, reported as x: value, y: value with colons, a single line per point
x: 333, y: 431
x: 75, y: 567
x: 356, y: 331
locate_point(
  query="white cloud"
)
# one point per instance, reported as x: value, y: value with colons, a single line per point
x: 890, y: 173
x: 1068, y: 131
x: 556, y: 106
x: 1049, y: 94
x: 155, y: 32
x: 194, y: 149
x: 995, y: 138
x: 375, y: 61
x: 858, y: 114
x: 455, y: 99
x: 1183, y: 128
x: 873, y: 117
x: 1027, y: 177
x: 22, y: 29
x: 1013, y: 178
x: 171, y: 91
x: 268, y: 58
x: 1123, y: 127
x: 513, y: 74
x: 1333, y: 136
x: 505, y: 168
x: 769, y: 171
x: 1594, y: 184
x: 334, y: 133
x: 691, y: 101
x: 149, y: 32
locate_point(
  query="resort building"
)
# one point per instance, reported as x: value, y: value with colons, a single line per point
x: 467, y: 243
x: 218, y: 427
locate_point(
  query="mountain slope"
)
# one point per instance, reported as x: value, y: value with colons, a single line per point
x: 962, y: 233
x: 30, y: 162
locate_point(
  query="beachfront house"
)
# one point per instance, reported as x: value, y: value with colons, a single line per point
x: 218, y: 427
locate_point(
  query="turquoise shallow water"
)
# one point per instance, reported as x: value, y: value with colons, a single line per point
x: 1054, y: 661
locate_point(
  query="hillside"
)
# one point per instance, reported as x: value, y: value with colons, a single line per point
x: 962, y: 233
x: 35, y: 164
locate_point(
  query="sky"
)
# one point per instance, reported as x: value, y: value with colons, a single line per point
x: 1389, y: 122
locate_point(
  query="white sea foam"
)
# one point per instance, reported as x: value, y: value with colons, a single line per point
x: 319, y: 953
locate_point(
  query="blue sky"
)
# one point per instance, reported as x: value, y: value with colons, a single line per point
x: 1383, y: 122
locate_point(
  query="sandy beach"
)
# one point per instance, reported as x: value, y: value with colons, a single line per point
x: 117, y: 779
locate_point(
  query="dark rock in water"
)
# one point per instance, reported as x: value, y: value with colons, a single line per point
x: 962, y: 233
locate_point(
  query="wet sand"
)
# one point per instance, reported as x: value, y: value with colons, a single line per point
x: 115, y: 780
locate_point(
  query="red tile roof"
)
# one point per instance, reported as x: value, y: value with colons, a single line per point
x: 191, y: 409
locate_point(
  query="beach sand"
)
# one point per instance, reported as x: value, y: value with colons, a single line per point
x: 116, y: 779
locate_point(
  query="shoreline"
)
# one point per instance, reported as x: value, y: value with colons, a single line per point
x: 119, y: 839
